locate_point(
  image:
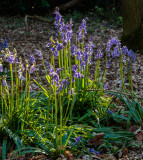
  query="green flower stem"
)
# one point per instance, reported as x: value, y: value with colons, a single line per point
x: 17, y: 90
x: 97, y: 71
x: 56, y: 119
x: 131, y: 81
x: 49, y: 104
x: 69, y: 113
x: 61, y: 118
x: 1, y: 98
x: 65, y: 61
x: 121, y: 72
x: 12, y: 89
x: 70, y: 67
x: 21, y: 84
x: 104, y: 74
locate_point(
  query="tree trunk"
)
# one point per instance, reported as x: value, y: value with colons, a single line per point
x: 132, y: 11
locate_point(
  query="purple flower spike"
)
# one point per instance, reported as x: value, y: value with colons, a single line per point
x: 71, y: 92
x: 125, y: 50
x: 99, y: 54
x: 74, y: 68
x: 59, y: 47
x: 55, y: 53
x: 4, y: 81
x: 105, y: 86
x: 112, y: 42
x: 48, y: 45
x: 11, y: 58
x: 78, y: 75
x: 131, y: 56
x: 39, y: 53
x: 86, y: 57
x: 32, y: 69
x: 58, y: 17
x: 32, y: 59
x: 58, y: 70
x: 78, y: 139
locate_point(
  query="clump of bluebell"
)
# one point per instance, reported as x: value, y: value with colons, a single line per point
x: 68, y: 77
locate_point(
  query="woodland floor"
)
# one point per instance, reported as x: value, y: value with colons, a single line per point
x: 36, y: 36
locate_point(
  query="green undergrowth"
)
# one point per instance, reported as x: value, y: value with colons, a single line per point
x: 72, y: 113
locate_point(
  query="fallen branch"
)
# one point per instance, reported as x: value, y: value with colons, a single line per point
x: 37, y: 18
x: 68, y: 4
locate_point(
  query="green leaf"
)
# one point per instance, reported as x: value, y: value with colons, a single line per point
x: 4, y: 149
x: 88, y: 114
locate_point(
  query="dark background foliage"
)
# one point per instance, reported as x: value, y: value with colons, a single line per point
x: 43, y: 7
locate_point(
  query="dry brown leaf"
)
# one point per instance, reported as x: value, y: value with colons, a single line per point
x: 97, y: 140
x: 133, y: 128
x: 139, y: 136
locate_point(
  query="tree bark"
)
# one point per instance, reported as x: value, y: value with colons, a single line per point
x: 132, y: 12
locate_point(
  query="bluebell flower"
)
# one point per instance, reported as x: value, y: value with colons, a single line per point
x: 73, y: 49
x: 58, y: 70
x: 51, y: 69
x: 99, y: 54
x: 74, y: 68
x: 59, y: 46
x: 90, y: 46
x: 108, y: 64
x: 49, y: 44
x: 86, y: 57
x: 54, y: 75
x: 19, y: 74
x: 79, y: 55
x: 112, y: 42
x: 21, y: 69
x: 82, y: 65
x: 125, y: 50
x: 131, y: 55
x: 32, y: 69
x: 78, y: 139
x: 71, y: 91
x: 82, y: 29
x: 58, y: 17
x: 58, y: 91
x: 56, y: 78
x: 39, y: 54
x: 110, y: 112
x: 78, y: 75
x: 105, y: 86
x: 5, y: 43
x: 64, y: 82
x: 115, y: 52
x: 55, y: 53
x: 11, y: 58
x: 4, y: 81
x: 69, y: 35
x: 32, y: 59
x: 71, y: 24
x: 1, y: 68
x: 91, y: 150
